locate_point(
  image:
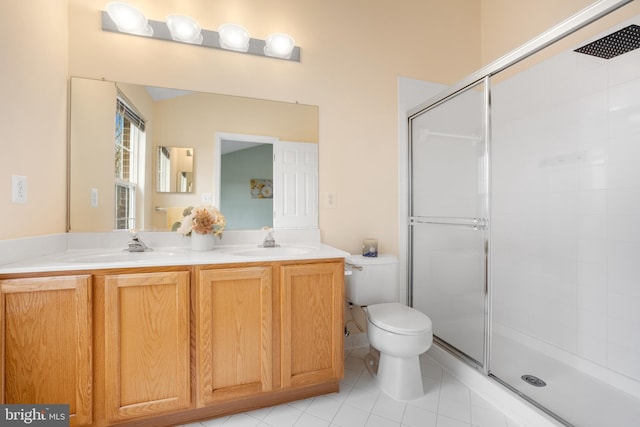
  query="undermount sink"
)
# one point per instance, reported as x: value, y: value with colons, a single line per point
x: 278, y: 251
x: 119, y: 256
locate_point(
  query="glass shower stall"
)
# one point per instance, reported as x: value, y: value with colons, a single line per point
x: 524, y: 205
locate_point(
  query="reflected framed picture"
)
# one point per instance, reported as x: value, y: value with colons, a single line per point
x: 261, y: 188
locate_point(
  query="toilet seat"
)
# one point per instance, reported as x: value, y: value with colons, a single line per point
x: 399, y: 319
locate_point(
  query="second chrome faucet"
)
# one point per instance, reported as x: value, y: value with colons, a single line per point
x: 269, y: 241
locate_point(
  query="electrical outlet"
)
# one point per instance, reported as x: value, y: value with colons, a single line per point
x: 330, y: 200
x: 207, y: 198
x: 94, y: 197
x: 18, y: 189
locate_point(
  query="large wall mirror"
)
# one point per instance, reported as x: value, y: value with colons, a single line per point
x: 125, y: 141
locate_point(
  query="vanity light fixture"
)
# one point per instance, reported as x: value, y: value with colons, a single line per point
x: 125, y: 19
x: 279, y: 45
x: 128, y: 19
x: 234, y: 37
x: 184, y: 29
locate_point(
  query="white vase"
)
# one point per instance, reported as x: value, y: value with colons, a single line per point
x: 202, y: 242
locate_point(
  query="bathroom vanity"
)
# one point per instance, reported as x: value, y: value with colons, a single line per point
x: 137, y: 341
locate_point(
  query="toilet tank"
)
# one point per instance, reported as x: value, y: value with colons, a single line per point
x: 372, y: 280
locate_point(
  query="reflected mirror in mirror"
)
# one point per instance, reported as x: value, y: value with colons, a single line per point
x: 160, y: 117
x: 174, y: 170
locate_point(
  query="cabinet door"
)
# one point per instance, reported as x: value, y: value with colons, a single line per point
x: 312, y: 298
x: 146, y: 343
x: 46, y: 324
x: 234, y: 333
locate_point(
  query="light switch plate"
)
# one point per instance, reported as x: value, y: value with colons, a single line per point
x: 18, y: 189
x: 330, y: 200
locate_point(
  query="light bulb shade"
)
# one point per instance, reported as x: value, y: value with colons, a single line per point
x: 279, y: 45
x: 184, y: 29
x: 234, y: 37
x: 128, y: 19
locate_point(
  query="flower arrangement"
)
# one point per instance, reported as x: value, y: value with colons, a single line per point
x: 202, y: 220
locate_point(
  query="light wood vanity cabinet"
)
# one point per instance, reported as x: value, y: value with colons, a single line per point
x: 312, y: 297
x: 234, y: 324
x: 146, y: 343
x: 52, y: 362
x: 166, y: 346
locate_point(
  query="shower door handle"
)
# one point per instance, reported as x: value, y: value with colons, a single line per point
x: 475, y: 223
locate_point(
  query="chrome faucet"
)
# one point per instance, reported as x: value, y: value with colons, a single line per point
x: 137, y: 245
x: 269, y: 241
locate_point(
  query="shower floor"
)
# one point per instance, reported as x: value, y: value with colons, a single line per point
x: 576, y: 397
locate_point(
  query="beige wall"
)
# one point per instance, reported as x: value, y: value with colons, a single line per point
x: 33, y: 115
x: 507, y: 24
x: 91, y: 132
x: 352, y: 54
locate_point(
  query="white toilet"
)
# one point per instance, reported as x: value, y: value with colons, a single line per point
x: 400, y: 333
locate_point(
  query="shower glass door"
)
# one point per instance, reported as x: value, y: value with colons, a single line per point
x: 448, y: 211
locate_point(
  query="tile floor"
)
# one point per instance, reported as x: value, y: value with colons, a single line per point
x: 447, y: 403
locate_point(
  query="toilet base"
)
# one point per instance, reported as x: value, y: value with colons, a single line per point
x: 400, y: 377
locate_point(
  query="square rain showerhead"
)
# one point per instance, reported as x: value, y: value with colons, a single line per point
x: 622, y: 41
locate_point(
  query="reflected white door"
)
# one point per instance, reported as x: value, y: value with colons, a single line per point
x: 295, y: 195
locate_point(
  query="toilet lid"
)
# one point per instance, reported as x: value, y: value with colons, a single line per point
x: 399, y: 318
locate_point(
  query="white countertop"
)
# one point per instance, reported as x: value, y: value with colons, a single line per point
x: 71, y: 256
x: 94, y: 259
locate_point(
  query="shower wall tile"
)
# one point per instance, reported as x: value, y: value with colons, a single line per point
x: 593, y: 176
x: 562, y: 179
x: 625, y: 68
x: 623, y: 333
x: 591, y: 347
x: 593, y: 133
x: 623, y: 152
x: 625, y: 308
x: 624, y: 227
x: 624, y: 96
x: 592, y: 202
x: 592, y: 227
x: 624, y: 201
x: 591, y: 250
x: 559, y: 336
x: 592, y: 287
x: 623, y: 268
x: 557, y: 312
x: 593, y: 324
x: 560, y: 203
x: 592, y: 104
x: 565, y: 83
x: 589, y: 80
x: 623, y: 359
